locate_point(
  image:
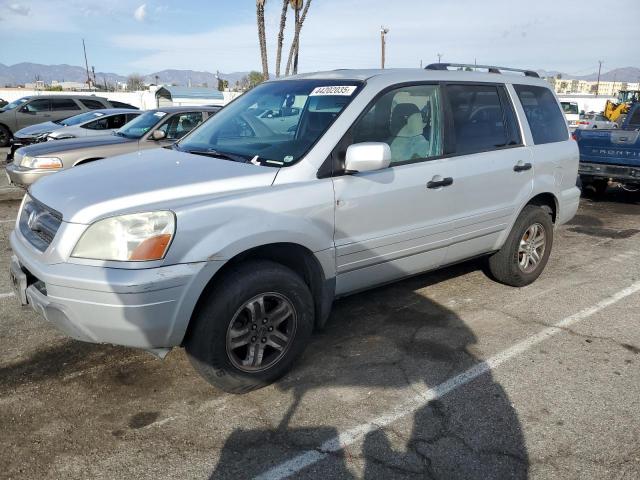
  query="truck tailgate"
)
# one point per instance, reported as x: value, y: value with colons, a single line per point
x: 613, y: 147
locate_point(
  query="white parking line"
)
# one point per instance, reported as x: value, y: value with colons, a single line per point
x: 427, y: 395
x: 6, y: 295
x: 8, y: 221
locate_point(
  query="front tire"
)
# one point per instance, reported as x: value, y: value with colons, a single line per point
x: 524, y: 255
x: 254, y: 323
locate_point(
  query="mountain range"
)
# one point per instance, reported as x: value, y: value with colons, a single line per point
x: 21, y: 73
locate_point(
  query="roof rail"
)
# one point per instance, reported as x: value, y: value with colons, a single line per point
x: 490, y: 68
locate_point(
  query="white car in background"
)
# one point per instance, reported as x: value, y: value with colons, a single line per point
x: 595, y: 120
x: 571, y: 113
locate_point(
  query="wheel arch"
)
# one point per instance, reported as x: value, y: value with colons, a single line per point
x: 291, y: 255
x: 546, y: 200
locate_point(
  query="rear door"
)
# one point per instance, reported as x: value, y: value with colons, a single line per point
x: 493, y: 168
x: 62, y: 108
x: 35, y: 111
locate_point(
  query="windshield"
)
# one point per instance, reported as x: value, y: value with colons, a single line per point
x: 276, y: 123
x: 78, y: 119
x: 570, y: 108
x: 137, y: 127
x: 16, y: 103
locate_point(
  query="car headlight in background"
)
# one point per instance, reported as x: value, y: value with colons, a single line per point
x: 138, y: 237
x: 50, y: 163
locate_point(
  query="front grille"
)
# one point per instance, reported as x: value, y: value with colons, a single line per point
x: 39, y: 224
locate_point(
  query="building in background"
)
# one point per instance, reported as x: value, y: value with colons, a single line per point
x: 564, y: 86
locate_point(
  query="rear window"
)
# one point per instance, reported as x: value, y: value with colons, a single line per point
x: 480, y: 122
x: 546, y: 120
x: 569, y: 108
x: 92, y: 104
x: 635, y: 118
x: 63, y: 104
x: 122, y: 105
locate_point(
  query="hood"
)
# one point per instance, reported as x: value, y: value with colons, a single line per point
x: 154, y: 179
x: 47, y: 148
x: 38, y: 129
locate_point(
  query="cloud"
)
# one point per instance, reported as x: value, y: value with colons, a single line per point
x: 140, y: 13
x: 19, y: 9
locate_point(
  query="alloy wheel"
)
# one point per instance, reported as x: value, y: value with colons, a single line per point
x: 261, y: 332
x: 532, y: 247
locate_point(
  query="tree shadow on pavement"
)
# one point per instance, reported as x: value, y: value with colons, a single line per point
x: 389, y: 340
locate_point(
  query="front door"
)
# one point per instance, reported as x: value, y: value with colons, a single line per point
x: 398, y: 221
x: 34, y: 111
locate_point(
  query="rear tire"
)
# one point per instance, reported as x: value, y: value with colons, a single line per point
x: 253, y: 324
x: 524, y: 255
x: 5, y: 136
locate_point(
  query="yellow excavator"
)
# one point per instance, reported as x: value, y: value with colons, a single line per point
x: 614, y: 110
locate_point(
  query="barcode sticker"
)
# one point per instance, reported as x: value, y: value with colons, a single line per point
x: 341, y: 90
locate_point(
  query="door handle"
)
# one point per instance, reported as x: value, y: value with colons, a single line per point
x: 521, y: 166
x: 438, y: 181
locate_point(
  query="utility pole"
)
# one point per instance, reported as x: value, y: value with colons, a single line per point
x: 93, y: 71
x: 439, y: 56
x: 420, y: 63
x: 86, y: 64
x: 383, y: 44
x: 598, y: 82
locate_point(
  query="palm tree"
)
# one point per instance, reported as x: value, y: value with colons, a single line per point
x: 295, y: 44
x: 262, y: 38
x: 283, y: 22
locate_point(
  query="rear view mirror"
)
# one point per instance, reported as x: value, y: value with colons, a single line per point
x: 158, y: 135
x: 367, y: 156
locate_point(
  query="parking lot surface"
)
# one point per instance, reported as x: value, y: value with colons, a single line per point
x: 445, y: 375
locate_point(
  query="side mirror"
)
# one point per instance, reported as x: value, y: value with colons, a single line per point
x: 367, y: 156
x: 158, y: 135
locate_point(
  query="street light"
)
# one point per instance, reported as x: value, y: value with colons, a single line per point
x: 383, y: 42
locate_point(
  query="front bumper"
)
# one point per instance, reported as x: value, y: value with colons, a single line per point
x: 143, y: 308
x: 617, y: 173
x: 25, y: 176
x: 19, y: 142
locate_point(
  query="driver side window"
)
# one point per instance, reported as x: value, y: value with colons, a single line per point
x: 36, y: 106
x: 407, y: 119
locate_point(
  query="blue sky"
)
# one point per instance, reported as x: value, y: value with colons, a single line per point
x: 124, y: 36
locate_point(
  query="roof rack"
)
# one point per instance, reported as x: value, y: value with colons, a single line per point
x: 490, y: 68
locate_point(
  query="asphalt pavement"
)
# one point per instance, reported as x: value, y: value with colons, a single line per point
x: 446, y: 375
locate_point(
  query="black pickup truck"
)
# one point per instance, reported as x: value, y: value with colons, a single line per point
x: 611, y: 155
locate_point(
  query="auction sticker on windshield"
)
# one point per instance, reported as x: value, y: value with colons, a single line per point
x: 344, y: 90
x: 160, y: 114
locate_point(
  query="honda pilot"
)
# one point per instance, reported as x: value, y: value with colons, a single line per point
x: 234, y: 242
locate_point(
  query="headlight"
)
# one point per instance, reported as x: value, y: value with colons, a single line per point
x: 138, y: 237
x: 41, y: 162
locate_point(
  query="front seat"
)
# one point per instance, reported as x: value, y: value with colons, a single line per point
x: 410, y: 143
x: 400, y: 116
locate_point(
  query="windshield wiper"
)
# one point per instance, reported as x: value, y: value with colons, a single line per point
x: 222, y: 155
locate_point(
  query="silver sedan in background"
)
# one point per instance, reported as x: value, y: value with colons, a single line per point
x: 595, y: 120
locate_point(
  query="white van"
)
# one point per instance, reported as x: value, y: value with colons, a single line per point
x: 572, y: 114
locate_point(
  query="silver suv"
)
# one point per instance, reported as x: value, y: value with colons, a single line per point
x: 235, y: 241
